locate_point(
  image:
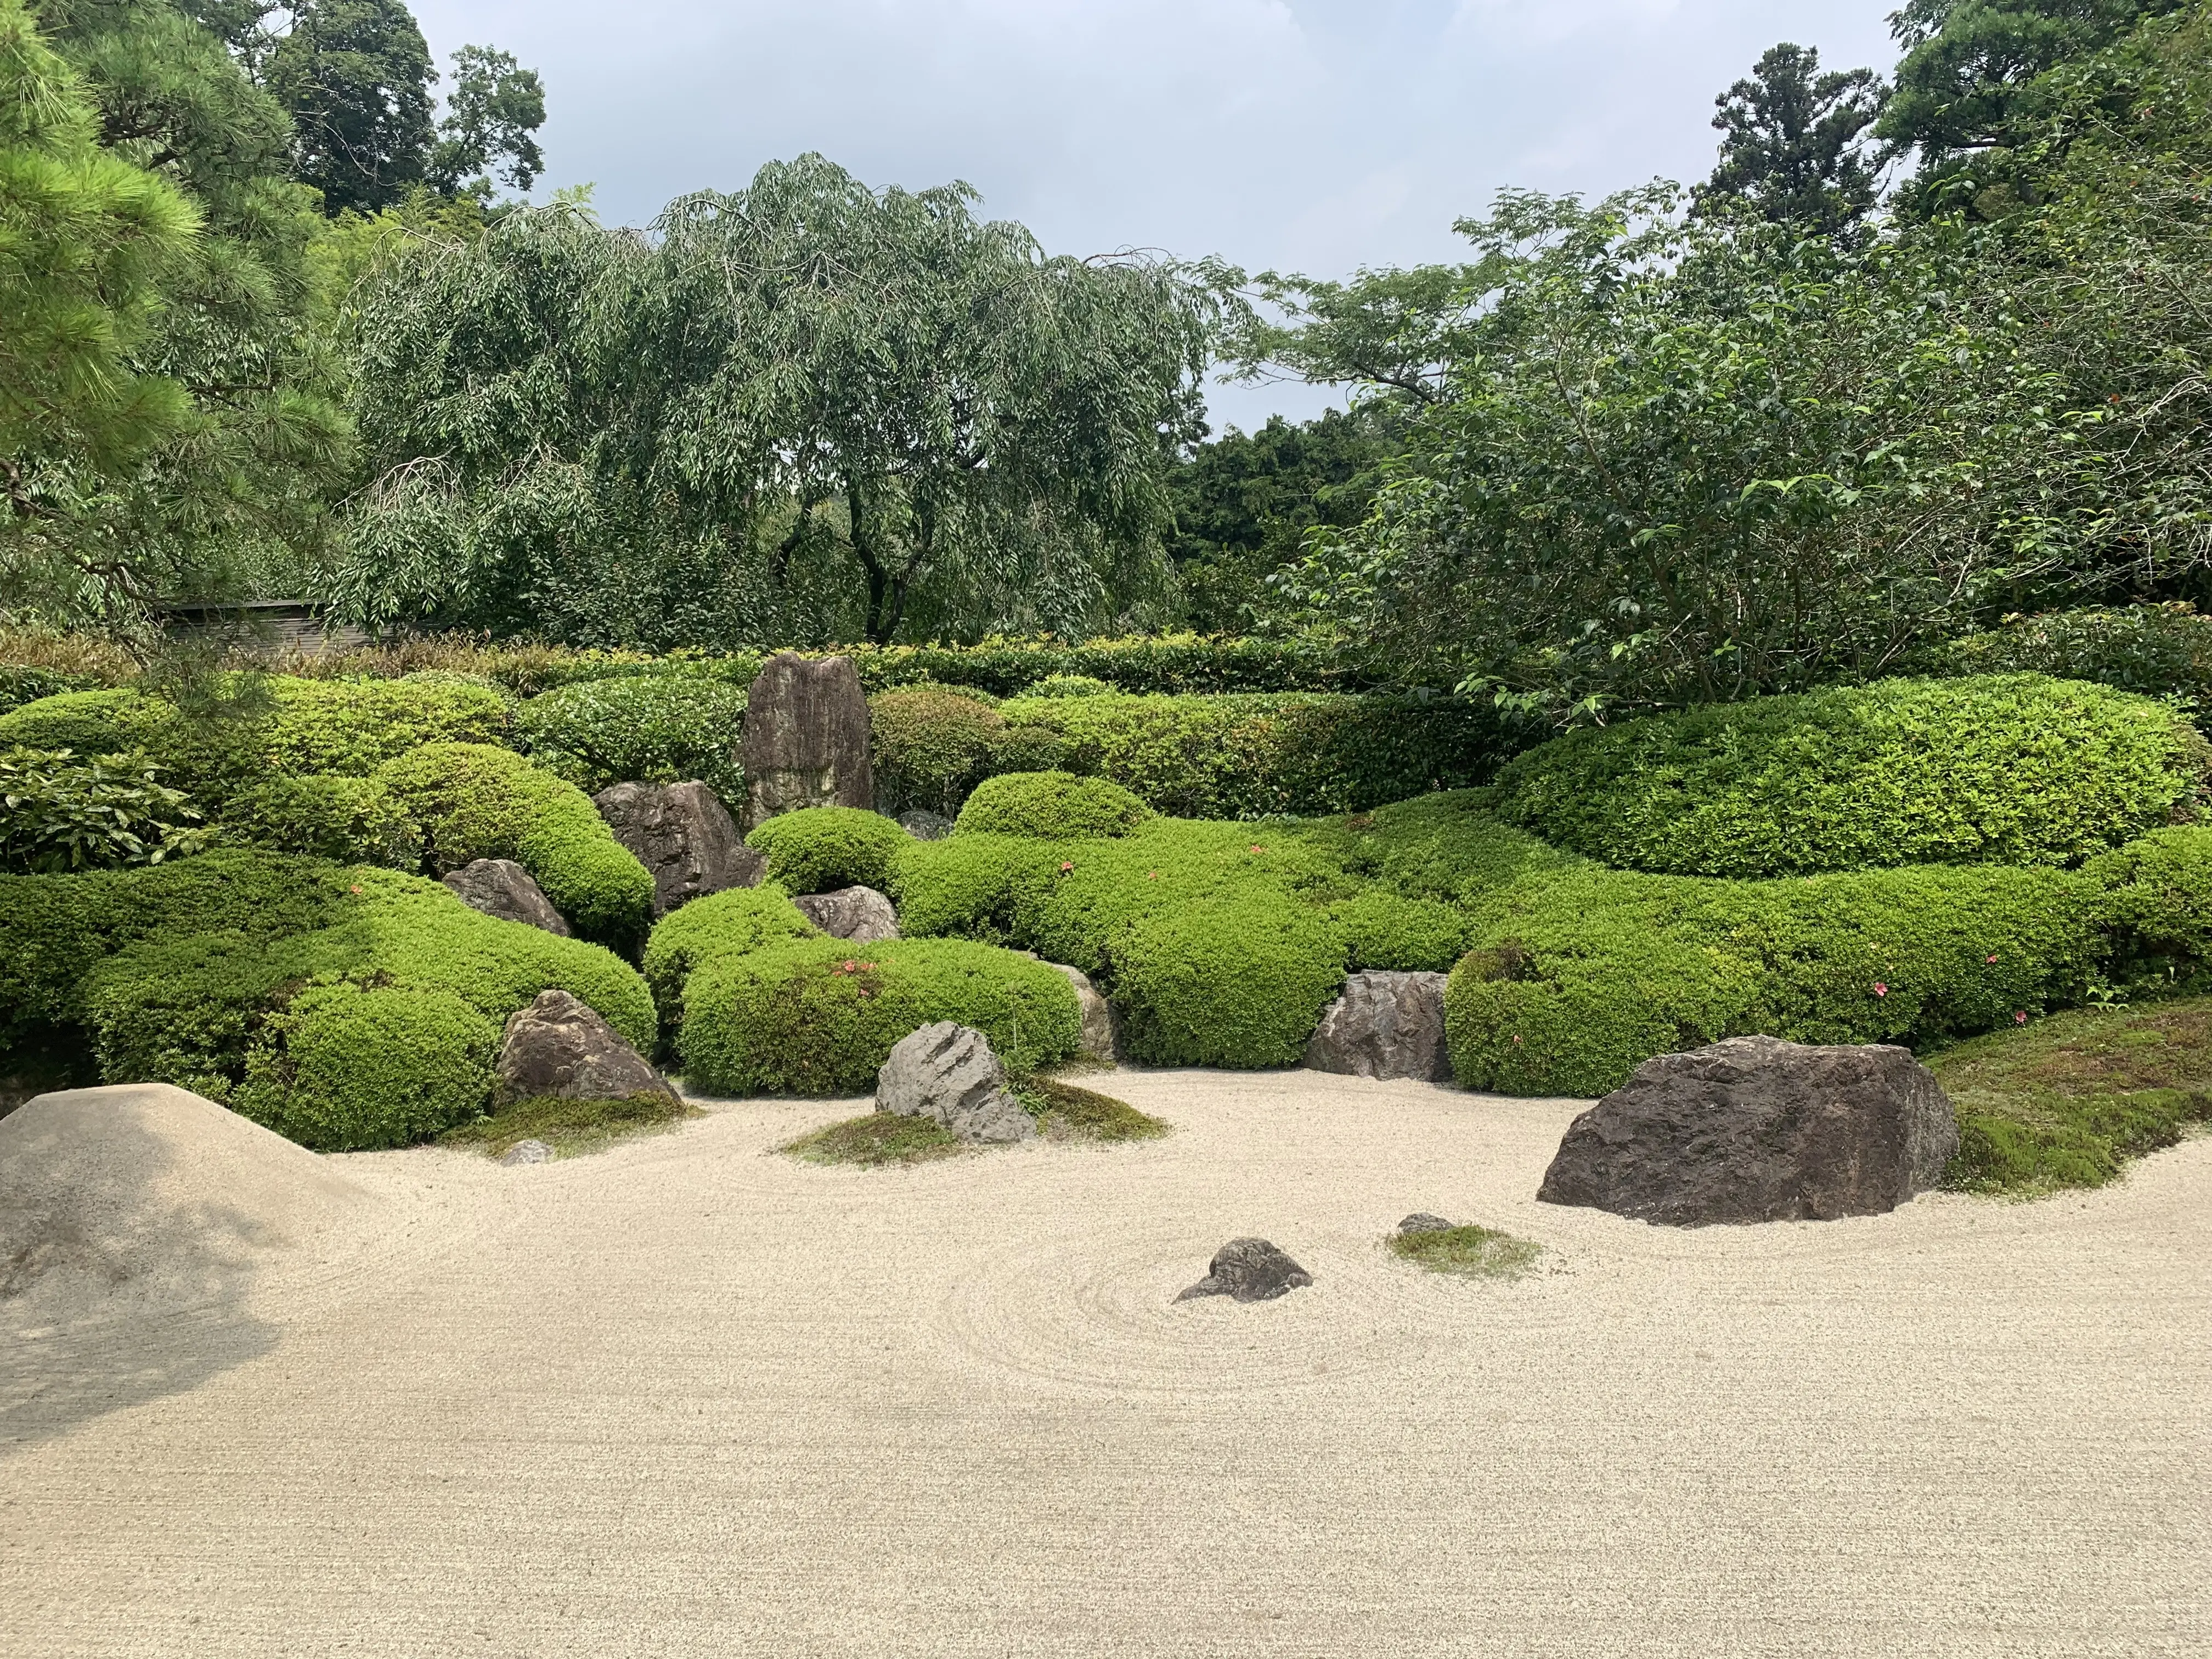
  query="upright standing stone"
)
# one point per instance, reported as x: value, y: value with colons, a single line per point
x: 560, y: 1046
x: 683, y: 833
x: 1384, y: 1025
x: 806, y: 738
x: 948, y: 1073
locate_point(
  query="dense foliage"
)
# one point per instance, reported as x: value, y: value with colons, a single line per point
x: 648, y: 728
x: 1995, y: 769
x: 1051, y: 804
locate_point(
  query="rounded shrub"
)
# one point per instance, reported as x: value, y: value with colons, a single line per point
x: 1237, y: 983
x: 346, y: 820
x: 929, y: 744
x: 648, y: 728
x: 1578, y: 978
x: 820, y: 849
x: 820, y: 1018
x: 973, y: 885
x: 2158, y: 908
x: 730, y: 923
x: 346, y: 1067
x: 2014, y: 770
x: 1389, y: 931
x: 1051, y: 804
x: 474, y: 801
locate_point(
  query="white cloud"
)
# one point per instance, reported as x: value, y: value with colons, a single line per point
x: 1320, y: 134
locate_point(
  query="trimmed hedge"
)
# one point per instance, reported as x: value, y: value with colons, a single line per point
x: 658, y: 728
x: 1237, y: 982
x: 821, y: 1016
x: 2157, y: 909
x: 1245, y: 756
x: 249, y: 725
x: 820, y: 849
x: 2157, y: 650
x: 177, y: 973
x: 474, y: 801
x: 2016, y: 769
x: 1052, y: 805
x: 930, y: 745
x: 1578, y: 978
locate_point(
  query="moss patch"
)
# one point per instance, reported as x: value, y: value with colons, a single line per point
x: 876, y: 1139
x: 1064, y: 1112
x: 1471, y: 1252
x: 2066, y: 1102
x: 571, y: 1127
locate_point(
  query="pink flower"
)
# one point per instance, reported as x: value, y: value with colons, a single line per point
x: 353, y: 890
x: 1257, y: 848
x: 2020, y: 1017
x: 1151, y: 875
x: 1516, y: 1039
x: 1879, y: 989
x: 1066, y: 868
x: 1988, y: 958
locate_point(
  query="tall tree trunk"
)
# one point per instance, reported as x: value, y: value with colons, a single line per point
x: 881, y: 618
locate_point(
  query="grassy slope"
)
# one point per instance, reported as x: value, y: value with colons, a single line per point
x: 2066, y: 1100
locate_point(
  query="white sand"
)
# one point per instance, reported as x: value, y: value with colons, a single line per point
x: 684, y: 1398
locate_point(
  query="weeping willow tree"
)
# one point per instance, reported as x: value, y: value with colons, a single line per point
x: 806, y: 409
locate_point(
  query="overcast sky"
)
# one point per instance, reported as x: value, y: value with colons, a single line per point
x: 1302, y: 135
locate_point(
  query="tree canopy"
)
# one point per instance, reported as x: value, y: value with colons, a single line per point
x: 1795, y: 149
x: 806, y: 395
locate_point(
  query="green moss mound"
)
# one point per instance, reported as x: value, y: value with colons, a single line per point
x: 1468, y: 1252
x: 820, y: 849
x: 2016, y: 770
x: 1579, y: 978
x: 242, y: 974
x: 2067, y: 1102
x: 1054, y: 805
x: 349, y: 1067
x: 821, y: 1016
x: 878, y: 1140
x: 647, y: 728
x: 474, y: 801
x: 731, y: 923
x: 570, y: 1127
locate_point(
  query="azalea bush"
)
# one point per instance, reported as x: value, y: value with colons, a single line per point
x: 58, y: 812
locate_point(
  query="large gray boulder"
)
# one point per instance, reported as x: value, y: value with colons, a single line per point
x: 1248, y: 1270
x: 1102, y: 1027
x: 502, y: 887
x: 925, y: 825
x: 685, y: 836
x: 859, y: 914
x: 1758, y: 1129
x: 560, y: 1046
x: 1384, y: 1024
x: 948, y: 1073
x: 806, y: 740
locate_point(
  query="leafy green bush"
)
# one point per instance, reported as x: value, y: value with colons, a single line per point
x: 731, y: 923
x: 474, y: 801
x: 1051, y: 804
x: 1067, y: 685
x: 1237, y: 982
x: 1387, y: 930
x: 2002, y: 769
x: 821, y: 1016
x: 2158, y: 908
x: 658, y: 728
x: 1578, y: 977
x: 929, y: 745
x: 346, y: 820
x: 347, y: 1067
x: 57, y: 812
x: 1247, y: 756
x: 19, y: 685
x: 820, y: 849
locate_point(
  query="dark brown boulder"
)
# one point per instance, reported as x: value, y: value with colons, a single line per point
x: 502, y: 887
x: 806, y: 740
x: 1758, y: 1129
x: 560, y: 1046
x: 685, y: 836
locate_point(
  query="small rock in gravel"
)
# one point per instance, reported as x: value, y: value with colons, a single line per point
x: 527, y: 1152
x: 1250, y: 1270
x: 1422, y: 1221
